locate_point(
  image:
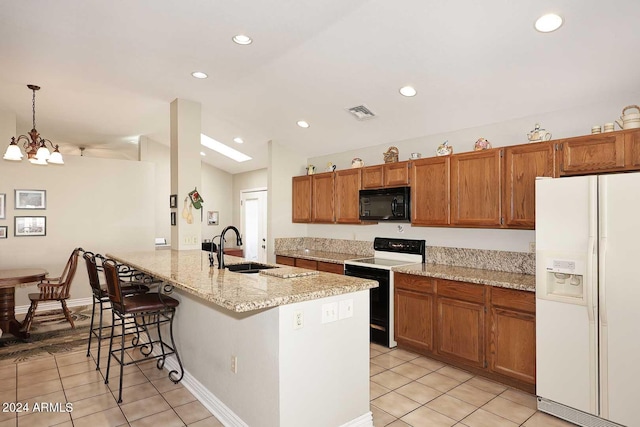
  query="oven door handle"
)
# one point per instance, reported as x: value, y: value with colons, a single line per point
x: 366, y: 276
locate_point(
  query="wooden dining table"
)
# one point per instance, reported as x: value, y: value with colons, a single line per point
x: 9, y: 279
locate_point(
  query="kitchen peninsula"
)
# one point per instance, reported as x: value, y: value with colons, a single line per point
x: 256, y: 348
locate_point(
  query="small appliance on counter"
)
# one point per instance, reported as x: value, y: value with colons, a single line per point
x: 387, y: 253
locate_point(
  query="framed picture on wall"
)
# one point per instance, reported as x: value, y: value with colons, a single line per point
x: 173, y: 201
x: 31, y: 199
x: 30, y: 226
x: 3, y: 205
x: 173, y: 218
x: 3, y: 232
x: 212, y: 217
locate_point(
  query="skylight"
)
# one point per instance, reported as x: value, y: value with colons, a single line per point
x: 225, y: 150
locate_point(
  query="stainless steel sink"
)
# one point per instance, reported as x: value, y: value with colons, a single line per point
x: 249, y: 267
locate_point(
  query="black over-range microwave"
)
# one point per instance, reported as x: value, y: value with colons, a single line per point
x: 385, y: 204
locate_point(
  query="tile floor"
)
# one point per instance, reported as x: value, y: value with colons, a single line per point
x: 406, y: 390
x: 411, y: 390
x: 149, y: 397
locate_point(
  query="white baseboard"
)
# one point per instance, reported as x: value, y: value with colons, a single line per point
x: 365, y: 420
x: 214, y: 405
x: 55, y: 305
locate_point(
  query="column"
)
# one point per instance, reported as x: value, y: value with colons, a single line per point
x: 185, y: 170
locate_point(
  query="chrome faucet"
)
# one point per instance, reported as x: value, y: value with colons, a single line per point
x: 221, y: 247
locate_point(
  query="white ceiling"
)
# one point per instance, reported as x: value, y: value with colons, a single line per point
x: 109, y: 69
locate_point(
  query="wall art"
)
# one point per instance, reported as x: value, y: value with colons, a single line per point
x: 30, y: 226
x: 31, y: 199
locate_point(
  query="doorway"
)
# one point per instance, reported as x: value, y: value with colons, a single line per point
x: 253, y: 216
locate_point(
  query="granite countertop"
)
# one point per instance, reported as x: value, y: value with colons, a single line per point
x: 522, y: 282
x: 503, y: 279
x: 189, y: 271
x: 332, y: 257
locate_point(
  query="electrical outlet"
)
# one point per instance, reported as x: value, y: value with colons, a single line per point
x: 532, y: 247
x: 298, y: 319
x: 234, y: 364
x: 345, y: 309
x: 329, y: 312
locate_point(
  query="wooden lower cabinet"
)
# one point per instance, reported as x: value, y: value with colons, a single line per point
x: 330, y: 267
x: 285, y: 260
x: 486, y: 330
x: 460, y: 321
x: 306, y: 263
x: 309, y: 264
x: 512, y: 335
x: 414, y: 301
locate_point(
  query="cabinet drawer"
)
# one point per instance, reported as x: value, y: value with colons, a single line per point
x: 305, y: 263
x: 330, y: 267
x: 285, y: 260
x: 411, y: 282
x: 460, y: 291
x: 517, y: 300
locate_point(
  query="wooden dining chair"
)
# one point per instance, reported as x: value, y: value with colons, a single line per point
x: 54, y: 289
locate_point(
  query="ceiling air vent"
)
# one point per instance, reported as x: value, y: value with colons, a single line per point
x: 361, y: 112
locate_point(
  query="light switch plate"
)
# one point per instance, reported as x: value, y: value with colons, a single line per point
x: 345, y: 309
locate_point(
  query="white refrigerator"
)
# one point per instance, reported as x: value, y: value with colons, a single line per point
x: 588, y: 299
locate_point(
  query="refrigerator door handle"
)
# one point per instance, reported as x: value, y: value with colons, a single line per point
x: 590, y: 279
x: 604, y: 233
x: 602, y: 286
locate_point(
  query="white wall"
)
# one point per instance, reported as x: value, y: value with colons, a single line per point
x: 246, y: 181
x: 101, y: 205
x: 217, y: 192
x: 283, y: 164
x: 7, y: 128
x: 159, y: 154
x: 561, y: 124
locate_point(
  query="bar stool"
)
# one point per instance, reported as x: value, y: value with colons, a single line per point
x: 147, y: 310
x: 101, y: 296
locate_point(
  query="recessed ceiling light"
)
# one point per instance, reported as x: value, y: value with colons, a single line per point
x: 242, y: 39
x: 202, y: 153
x: 225, y: 150
x: 548, y: 23
x: 238, y: 140
x: 199, y: 75
x: 408, y: 91
x: 303, y: 124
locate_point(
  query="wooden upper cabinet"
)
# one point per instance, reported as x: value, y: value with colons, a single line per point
x: 476, y: 188
x: 301, y: 199
x: 523, y: 163
x: 386, y: 175
x: 372, y: 176
x: 396, y: 174
x: 430, y: 191
x: 632, y: 150
x: 322, y: 197
x: 592, y: 154
x: 347, y: 186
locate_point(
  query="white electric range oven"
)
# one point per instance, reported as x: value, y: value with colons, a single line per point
x: 388, y: 253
